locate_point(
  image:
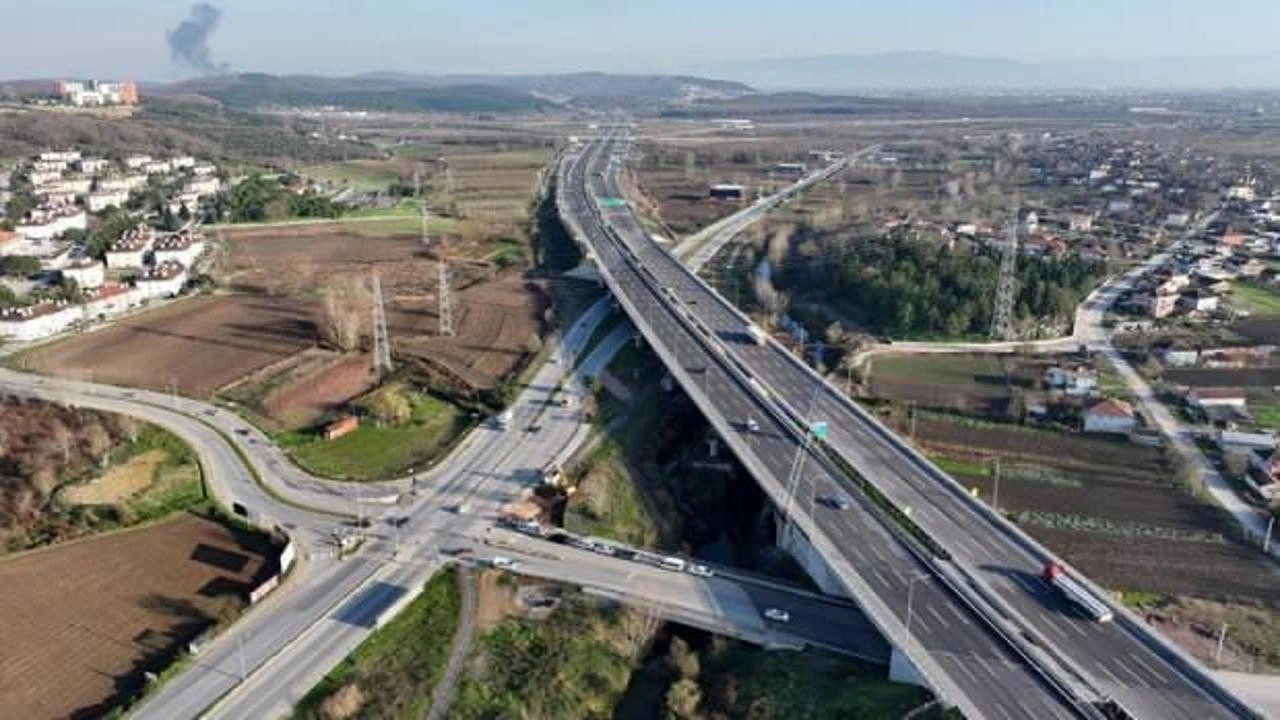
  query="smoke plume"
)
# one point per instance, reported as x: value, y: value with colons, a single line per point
x: 189, y: 42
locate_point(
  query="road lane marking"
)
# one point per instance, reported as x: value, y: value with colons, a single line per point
x: 937, y: 616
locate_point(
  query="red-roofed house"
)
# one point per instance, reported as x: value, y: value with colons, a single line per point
x: 1110, y: 416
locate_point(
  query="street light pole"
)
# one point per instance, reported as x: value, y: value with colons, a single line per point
x: 995, y: 488
x: 1217, y: 654
x: 1266, y: 538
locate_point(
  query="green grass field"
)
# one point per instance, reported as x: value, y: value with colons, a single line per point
x: 361, y: 175
x: 395, y: 669
x: 608, y: 504
x: 951, y: 369
x: 1256, y: 299
x: 378, y: 453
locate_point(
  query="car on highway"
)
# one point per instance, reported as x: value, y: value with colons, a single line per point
x: 701, y: 570
x: 777, y: 615
x: 752, y: 425
x: 835, y: 502
x: 504, y: 563
x: 604, y: 549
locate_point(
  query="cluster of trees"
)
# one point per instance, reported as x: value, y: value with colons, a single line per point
x: 19, y: 266
x: 344, y: 310
x: 41, y: 445
x: 259, y: 198
x: 909, y: 287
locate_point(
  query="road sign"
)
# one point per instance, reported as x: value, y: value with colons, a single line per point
x: 819, y: 430
x: 613, y: 203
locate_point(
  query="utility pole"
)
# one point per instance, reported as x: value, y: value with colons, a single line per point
x: 995, y: 489
x: 1266, y: 538
x: 1217, y: 654
x: 1006, y: 290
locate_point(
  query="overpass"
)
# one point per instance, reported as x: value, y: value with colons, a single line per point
x: 990, y: 569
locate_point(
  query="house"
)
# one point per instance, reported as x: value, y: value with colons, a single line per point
x: 1078, y: 382
x: 130, y: 251
x: 1177, y: 221
x: 1157, y: 305
x: 182, y: 162
x: 86, y: 270
x: 180, y: 247
x: 203, y: 169
x: 136, y: 162
x: 125, y: 183
x: 1233, y: 240
x: 49, y: 223
x: 165, y: 280
x: 1207, y: 397
x: 1110, y: 416
x: 93, y: 166
x: 793, y: 170
x: 1236, y: 357
x: 34, y: 322
x: 1229, y: 440
x: 203, y: 186
x: 1264, y: 473
x: 342, y: 426
x: 1176, y: 357
x: 99, y: 201
x: 1080, y: 222
x: 1198, y: 300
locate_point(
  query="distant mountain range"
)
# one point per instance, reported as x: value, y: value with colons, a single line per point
x: 450, y: 93
x: 943, y: 71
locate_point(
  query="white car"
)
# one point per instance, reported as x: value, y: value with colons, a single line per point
x: 701, y: 571
x: 504, y: 563
x: 777, y: 615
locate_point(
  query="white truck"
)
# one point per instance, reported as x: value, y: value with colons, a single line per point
x: 1057, y: 576
x: 758, y: 336
x: 503, y: 420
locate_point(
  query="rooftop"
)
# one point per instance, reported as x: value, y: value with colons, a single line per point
x: 1111, y: 407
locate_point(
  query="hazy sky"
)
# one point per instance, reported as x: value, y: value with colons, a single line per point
x: 127, y: 37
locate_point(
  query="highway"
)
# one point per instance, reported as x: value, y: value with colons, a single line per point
x: 1123, y: 660
x: 957, y: 651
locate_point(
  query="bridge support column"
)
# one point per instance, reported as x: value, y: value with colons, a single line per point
x: 794, y: 541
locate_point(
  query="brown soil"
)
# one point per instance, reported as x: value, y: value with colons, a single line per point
x: 193, y: 347
x: 84, y: 620
x: 119, y: 483
x: 315, y: 393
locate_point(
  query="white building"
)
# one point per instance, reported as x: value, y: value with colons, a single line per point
x: 40, y: 178
x: 66, y: 156
x: 181, y: 247
x: 87, y: 271
x: 1110, y: 416
x: 1080, y: 382
x: 136, y: 162
x: 93, y: 166
x: 48, y: 166
x: 25, y: 324
x: 127, y: 183
x: 162, y: 281
x: 130, y: 251
x: 1264, y: 473
x: 203, y: 169
x: 49, y: 224
x: 157, y: 167
x: 73, y: 185
x: 203, y: 186
x: 183, y: 162
x: 99, y: 201
x: 190, y: 201
x: 1207, y: 397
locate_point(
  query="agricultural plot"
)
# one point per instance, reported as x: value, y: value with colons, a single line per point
x: 1109, y: 507
x: 84, y: 621
x: 1225, y: 377
x: 970, y: 384
x: 192, y: 347
x: 304, y: 389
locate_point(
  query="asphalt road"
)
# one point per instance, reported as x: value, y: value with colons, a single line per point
x: 949, y: 643
x: 1122, y: 660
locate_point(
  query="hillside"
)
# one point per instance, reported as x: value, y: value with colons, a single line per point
x: 450, y: 93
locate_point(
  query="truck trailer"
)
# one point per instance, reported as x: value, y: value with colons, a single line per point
x: 1057, y: 576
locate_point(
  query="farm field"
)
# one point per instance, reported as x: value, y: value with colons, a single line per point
x: 1226, y: 377
x: 970, y: 384
x: 304, y: 389
x: 193, y: 347
x: 84, y: 620
x: 1109, y: 506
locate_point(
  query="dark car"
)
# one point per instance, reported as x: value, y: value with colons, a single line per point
x: 836, y: 502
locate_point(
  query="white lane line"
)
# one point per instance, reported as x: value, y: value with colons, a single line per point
x: 1075, y: 628
x: 1155, y: 674
x: 1131, y: 678
x: 1105, y: 671
x: 941, y: 620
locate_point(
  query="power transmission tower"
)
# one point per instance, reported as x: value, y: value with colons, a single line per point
x: 1006, y: 290
x: 442, y: 263
x: 381, y: 342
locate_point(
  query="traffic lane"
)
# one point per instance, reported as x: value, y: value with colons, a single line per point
x: 660, y: 317
x: 821, y: 623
